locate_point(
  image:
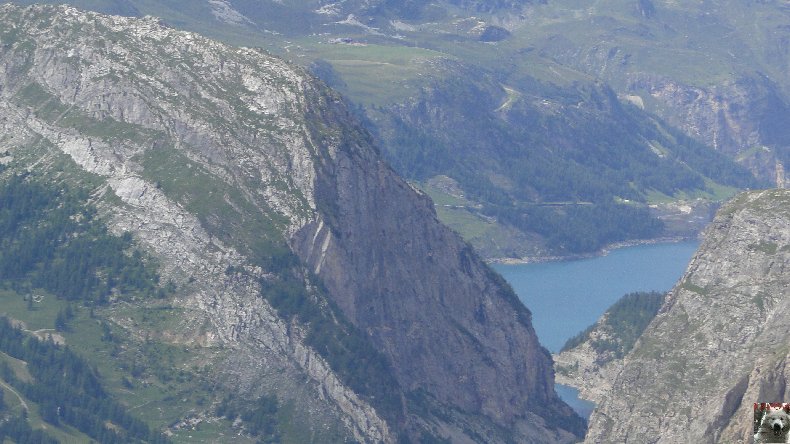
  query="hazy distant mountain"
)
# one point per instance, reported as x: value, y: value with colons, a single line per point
x: 486, y: 94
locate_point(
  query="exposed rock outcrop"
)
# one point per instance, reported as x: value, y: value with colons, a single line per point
x: 719, y: 342
x: 591, y: 360
x: 587, y: 369
x: 212, y: 157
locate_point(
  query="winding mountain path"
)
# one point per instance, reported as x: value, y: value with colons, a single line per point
x: 11, y: 389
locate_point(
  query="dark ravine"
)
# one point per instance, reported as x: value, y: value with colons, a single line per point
x: 214, y: 158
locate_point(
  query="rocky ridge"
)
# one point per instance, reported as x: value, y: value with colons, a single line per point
x: 212, y: 156
x: 587, y: 369
x: 718, y: 343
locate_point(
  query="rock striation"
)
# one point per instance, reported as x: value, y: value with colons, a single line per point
x: 719, y: 342
x: 216, y: 158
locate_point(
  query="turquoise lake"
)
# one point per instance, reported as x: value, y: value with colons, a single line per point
x: 566, y: 297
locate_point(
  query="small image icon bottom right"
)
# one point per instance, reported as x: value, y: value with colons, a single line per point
x: 771, y: 422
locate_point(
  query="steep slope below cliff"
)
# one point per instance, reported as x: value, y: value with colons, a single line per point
x: 574, y: 166
x: 715, y: 71
x: 297, y: 254
x: 591, y: 360
x: 719, y: 342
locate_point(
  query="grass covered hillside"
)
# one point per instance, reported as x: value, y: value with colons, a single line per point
x: 65, y: 376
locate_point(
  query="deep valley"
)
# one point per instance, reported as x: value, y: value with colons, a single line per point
x: 273, y: 221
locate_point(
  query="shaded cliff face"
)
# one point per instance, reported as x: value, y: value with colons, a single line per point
x: 719, y: 342
x: 218, y: 158
x: 451, y: 326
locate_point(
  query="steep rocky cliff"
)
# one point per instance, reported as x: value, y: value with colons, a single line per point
x: 719, y: 342
x: 220, y: 162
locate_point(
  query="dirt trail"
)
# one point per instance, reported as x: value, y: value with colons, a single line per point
x: 11, y: 389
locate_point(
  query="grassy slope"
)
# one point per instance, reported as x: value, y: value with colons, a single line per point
x: 170, y: 384
x: 136, y: 370
x: 139, y: 370
x: 688, y: 34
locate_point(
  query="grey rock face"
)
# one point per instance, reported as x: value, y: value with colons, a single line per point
x: 203, y: 150
x: 454, y: 329
x: 587, y: 369
x: 719, y: 342
x: 737, y: 118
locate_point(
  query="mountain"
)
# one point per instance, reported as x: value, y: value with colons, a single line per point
x: 713, y: 70
x: 575, y: 166
x: 282, y: 282
x: 718, y: 343
x: 544, y: 157
x: 590, y: 360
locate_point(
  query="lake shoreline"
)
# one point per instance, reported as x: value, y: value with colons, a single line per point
x: 602, y: 252
x: 567, y: 296
x: 586, y: 288
x: 571, y: 396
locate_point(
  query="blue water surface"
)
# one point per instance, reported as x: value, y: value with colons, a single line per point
x: 571, y: 397
x: 566, y: 297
